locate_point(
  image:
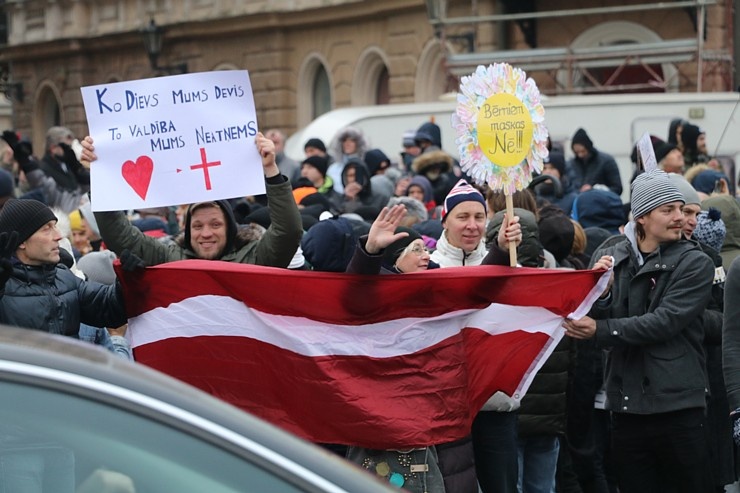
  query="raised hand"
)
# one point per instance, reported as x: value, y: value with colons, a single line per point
x: 382, y: 231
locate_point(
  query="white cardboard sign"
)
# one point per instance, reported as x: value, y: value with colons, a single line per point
x: 173, y: 140
x: 647, y: 153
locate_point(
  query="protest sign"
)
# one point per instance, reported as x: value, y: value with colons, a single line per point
x: 646, y: 153
x: 501, y: 133
x: 173, y: 140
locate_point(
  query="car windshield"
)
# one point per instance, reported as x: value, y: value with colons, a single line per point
x: 67, y: 443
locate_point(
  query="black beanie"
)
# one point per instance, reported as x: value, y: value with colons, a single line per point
x: 395, y: 249
x: 581, y: 137
x: 26, y: 216
x: 318, y: 162
x: 316, y: 144
x: 557, y: 160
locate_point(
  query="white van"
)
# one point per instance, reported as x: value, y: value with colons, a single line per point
x: 614, y: 122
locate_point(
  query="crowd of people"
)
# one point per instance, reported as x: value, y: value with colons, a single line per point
x: 634, y: 398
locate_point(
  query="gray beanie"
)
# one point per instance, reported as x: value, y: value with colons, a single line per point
x: 651, y: 190
x: 689, y: 193
x: 98, y: 266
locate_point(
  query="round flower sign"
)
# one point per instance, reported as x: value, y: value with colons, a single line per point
x: 499, y: 122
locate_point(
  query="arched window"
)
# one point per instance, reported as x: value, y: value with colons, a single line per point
x: 659, y: 77
x: 314, y: 94
x: 370, y: 84
x: 431, y: 76
x: 321, y: 93
x: 47, y: 113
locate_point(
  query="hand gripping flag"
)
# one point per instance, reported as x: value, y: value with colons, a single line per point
x: 375, y: 361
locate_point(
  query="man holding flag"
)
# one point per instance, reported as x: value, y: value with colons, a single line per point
x: 650, y: 323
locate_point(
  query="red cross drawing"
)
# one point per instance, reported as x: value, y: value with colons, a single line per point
x: 204, y: 165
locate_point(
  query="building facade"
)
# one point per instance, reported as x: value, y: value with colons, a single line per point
x: 306, y: 57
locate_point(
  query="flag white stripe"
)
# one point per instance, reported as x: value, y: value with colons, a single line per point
x: 211, y: 315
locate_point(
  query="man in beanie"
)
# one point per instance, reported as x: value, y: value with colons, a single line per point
x: 315, y: 147
x: 493, y: 442
x: 591, y: 167
x: 314, y: 168
x: 650, y: 321
x: 718, y: 421
x: 38, y: 292
x: 211, y: 232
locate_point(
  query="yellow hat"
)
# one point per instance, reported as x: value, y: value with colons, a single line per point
x: 75, y: 221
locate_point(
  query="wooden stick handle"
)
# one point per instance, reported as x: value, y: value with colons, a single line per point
x: 512, y: 245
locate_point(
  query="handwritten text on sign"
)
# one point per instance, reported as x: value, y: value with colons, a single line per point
x: 173, y: 140
x: 504, y: 129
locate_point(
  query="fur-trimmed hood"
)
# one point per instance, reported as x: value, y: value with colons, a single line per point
x: 428, y: 159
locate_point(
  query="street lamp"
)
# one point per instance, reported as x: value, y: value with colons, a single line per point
x: 12, y: 90
x: 152, y: 35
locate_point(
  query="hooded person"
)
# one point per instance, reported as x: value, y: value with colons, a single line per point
x: 358, y: 189
x: 31, y: 274
x: 600, y: 209
x: 436, y: 166
x: 591, y: 167
x: 376, y: 161
x: 428, y: 137
x: 694, y: 143
x: 210, y: 228
x: 348, y: 143
x: 730, y: 210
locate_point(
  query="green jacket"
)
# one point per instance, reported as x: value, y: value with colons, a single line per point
x: 275, y: 248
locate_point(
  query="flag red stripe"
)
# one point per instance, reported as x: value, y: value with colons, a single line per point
x: 418, y: 399
x: 353, y: 300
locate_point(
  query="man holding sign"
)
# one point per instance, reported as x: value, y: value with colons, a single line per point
x: 211, y: 232
x: 181, y: 139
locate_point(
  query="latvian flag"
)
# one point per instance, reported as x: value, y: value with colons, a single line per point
x: 387, y: 361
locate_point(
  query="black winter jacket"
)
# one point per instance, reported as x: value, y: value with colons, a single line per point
x: 50, y: 298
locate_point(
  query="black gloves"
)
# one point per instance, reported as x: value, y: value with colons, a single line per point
x: 130, y: 262
x: 20, y: 153
x: 70, y: 158
x: 8, y: 244
x: 74, y: 164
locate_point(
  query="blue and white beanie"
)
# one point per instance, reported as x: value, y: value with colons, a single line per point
x: 710, y: 228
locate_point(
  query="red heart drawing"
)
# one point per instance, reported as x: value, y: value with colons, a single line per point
x: 138, y: 174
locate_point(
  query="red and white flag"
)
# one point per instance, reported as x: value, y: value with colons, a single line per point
x: 376, y: 361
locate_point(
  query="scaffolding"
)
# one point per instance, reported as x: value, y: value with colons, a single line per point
x: 572, y: 63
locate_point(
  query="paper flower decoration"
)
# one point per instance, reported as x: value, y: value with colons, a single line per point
x: 500, y: 127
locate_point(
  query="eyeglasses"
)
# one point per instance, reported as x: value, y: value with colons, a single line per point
x: 419, y: 250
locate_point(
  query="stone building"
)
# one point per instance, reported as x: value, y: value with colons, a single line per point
x: 306, y: 57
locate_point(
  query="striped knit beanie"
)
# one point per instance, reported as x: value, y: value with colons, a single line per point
x: 651, y: 190
x: 461, y: 192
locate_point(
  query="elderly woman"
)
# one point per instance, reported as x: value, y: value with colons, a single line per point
x: 391, y: 249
